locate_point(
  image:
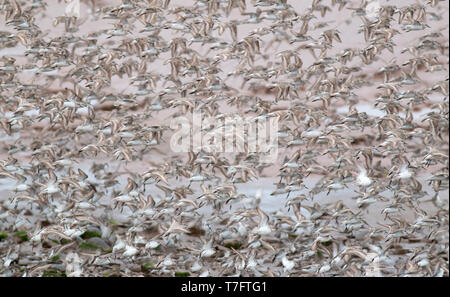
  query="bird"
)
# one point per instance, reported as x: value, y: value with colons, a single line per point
x: 352, y: 95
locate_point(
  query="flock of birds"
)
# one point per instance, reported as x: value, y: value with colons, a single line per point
x: 94, y: 190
